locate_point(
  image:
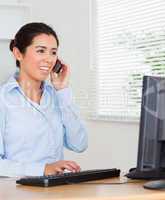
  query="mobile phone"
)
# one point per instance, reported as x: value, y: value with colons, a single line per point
x: 57, y: 67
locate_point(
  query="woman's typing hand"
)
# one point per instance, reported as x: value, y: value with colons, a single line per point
x: 59, y: 167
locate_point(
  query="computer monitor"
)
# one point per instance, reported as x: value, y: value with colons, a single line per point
x: 151, y: 149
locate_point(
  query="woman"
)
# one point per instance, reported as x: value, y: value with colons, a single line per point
x: 38, y: 118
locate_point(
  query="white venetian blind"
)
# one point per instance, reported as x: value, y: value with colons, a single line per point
x: 128, y: 42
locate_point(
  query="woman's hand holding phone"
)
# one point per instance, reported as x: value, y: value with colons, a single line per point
x: 60, y: 80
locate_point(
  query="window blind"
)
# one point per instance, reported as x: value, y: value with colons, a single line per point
x: 128, y: 41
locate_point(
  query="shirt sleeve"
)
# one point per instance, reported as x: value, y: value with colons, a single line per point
x: 75, y: 133
x: 13, y: 168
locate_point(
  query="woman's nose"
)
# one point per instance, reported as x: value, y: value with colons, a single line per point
x: 48, y: 58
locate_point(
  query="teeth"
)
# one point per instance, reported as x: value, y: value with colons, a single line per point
x: 44, y: 68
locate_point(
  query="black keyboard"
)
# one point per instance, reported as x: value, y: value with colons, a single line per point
x: 69, y: 178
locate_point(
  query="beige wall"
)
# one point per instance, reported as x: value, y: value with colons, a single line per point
x: 110, y: 145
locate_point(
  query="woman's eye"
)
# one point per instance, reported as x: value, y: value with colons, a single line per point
x: 54, y: 52
x: 40, y: 51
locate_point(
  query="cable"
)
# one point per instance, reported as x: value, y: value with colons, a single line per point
x: 111, y: 183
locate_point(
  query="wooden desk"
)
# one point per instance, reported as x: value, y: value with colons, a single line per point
x: 129, y: 191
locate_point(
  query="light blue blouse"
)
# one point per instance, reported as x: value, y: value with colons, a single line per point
x: 32, y: 134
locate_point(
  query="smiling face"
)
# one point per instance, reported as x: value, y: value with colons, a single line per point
x: 39, y: 58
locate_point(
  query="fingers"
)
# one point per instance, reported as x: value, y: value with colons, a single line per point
x: 59, y: 167
x: 65, y: 71
x: 72, y: 166
x: 60, y: 80
x: 58, y: 170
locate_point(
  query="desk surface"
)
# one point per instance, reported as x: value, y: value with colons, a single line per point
x: 98, y: 191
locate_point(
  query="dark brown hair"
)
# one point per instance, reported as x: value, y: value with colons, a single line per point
x: 25, y: 35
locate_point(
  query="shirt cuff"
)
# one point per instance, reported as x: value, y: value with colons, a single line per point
x: 34, y: 169
x: 64, y: 97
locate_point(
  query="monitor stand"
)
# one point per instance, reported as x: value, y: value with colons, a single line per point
x: 135, y: 173
x: 155, y: 185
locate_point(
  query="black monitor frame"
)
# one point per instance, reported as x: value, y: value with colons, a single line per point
x: 151, y: 148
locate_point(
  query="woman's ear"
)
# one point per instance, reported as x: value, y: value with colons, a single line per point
x: 17, y: 54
